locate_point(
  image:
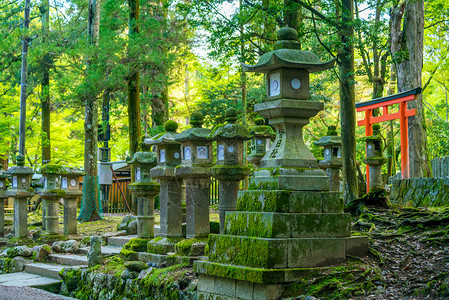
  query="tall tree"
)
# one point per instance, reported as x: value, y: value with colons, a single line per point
x: 91, y: 203
x: 407, y: 32
x: 347, y: 102
x: 45, y: 85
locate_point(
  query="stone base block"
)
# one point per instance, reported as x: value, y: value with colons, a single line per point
x: 276, y: 252
x: 162, y: 245
x: 357, y: 246
x: 282, y: 201
x: 293, y: 179
x: 215, y: 288
x: 288, y: 225
x: 167, y: 260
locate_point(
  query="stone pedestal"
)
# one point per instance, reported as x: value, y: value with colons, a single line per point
x: 262, y: 134
x: 227, y: 193
x: 171, y: 193
x: 144, y: 193
x: 71, y: 185
x: 52, y: 224
x: 196, y: 160
x: 374, y: 157
x: 21, y: 191
x: 332, y: 157
x: 3, y: 197
x: 44, y: 213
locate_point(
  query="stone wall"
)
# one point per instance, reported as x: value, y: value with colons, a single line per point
x: 440, y: 166
x: 417, y: 192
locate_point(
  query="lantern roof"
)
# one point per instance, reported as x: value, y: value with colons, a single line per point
x: 20, y: 168
x: 287, y: 54
x: 143, y: 158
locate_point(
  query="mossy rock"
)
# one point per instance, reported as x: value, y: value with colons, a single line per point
x: 137, y: 245
x: 51, y: 238
x: 190, y: 247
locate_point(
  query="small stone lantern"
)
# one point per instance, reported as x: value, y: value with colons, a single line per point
x: 144, y: 190
x: 52, y: 193
x: 169, y: 156
x: 374, y: 157
x: 260, y: 142
x: 196, y: 160
x: 3, y: 197
x: 70, y: 183
x: 229, y: 169
x: 21, y: 191
x: 332, y: 157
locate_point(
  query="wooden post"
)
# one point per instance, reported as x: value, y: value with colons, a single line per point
x: 368, y: 132
x: 404, y: 139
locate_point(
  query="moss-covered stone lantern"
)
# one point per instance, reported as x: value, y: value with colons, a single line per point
x: 260, y: 143
x: 230, y: 168
x: 51, y: 194
x: 374, y: 157
x: 169, y: 156
x: 332, y: 157
x: 3, y: 185
x: 144, y: 189
x: 196, y: 160
x: 70, y: 183
x: 21, y: 191
x: 288, y: 224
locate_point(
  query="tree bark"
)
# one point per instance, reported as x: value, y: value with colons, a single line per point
x: 45, y: 84
x: 407, y: 40
x: 347, y: 103
x: 91, y: 113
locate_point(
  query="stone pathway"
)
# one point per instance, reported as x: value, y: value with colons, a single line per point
x: 45, y: 276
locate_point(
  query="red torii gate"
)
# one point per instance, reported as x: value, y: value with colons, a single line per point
x: 402, y: 115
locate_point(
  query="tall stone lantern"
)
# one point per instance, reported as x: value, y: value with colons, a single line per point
x: 230, y: 168
x: 374, y: 157
x: 168, y: 157
x: 196, y: 160
x: 260, y: 143
x: 288, y: 223
x: 3, y: 197
x: 21, y: 191
x: 144, y: 189
x: 70, y: 183
x: 52, y: 193
x: 332, y: 157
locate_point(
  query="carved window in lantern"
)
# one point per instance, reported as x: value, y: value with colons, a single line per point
x: 202, y: 152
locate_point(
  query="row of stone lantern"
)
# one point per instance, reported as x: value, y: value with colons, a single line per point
x: 59, y: 182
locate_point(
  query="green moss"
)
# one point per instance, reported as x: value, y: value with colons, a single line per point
x: 47, y: 238
x: 22, y: 241
x: 137, y: 245
x: 58, y: 192
x: 53, y: 169
x: 214, y: 227
x: 190, y: 247
x: 128, y: 254
x: 171, y: 126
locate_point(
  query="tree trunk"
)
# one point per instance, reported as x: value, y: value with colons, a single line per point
x: 23, y: 82
x: 407, y: 52
x: 90, y: 188
x: 45, y: 84
x: 347, y: 103
x: 292, y: 15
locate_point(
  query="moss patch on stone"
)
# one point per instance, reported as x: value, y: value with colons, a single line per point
x: 50, y: 238
x: 137, y: 245
x: 190, y: 247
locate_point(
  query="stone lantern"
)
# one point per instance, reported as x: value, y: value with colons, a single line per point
x: 288, y: 223
x: 52, y: 193
x: 169, y: 156
x: 3, y: 197
x: 332, y: 157
x: 144, y: 190
x: 374, y: 157
x: 70, y: 183
x: 196, y: 160
x: 21, y: 191
x: 229, y: 169
x: 260, y: 143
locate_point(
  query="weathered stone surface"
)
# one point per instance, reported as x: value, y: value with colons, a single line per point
x: 132, y: 227
x: 416, y: 192
x: 125, y: 223
x: 41, y: 252
x: 94, y: 256
x: 70, y: 246
x: 127, y: 274
x: 144, y: 273
x: 136, y: 266
x: 18, y: 264
x: 19, y: 251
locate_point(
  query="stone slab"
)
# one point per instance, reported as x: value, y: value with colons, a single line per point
x: 282, y: 201
x: 120, y: 240
x: 46, y: 270
x: 22, y: 279
x: 316, y: 252
x: 69, y: 259
x: 105, y: 250
x: 357, y: 246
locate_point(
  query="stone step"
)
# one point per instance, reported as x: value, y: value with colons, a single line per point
x: 46, y: 270
x: 69, y: 259
x: 120, y: 240
x: 31, y: 280
x: 105, y: 250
